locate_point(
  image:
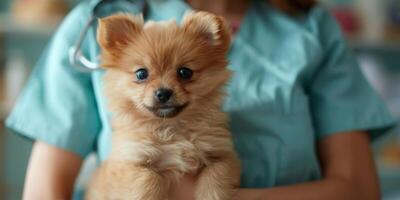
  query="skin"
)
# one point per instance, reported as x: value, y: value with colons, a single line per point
x: 51, y: 173
x: 346, y: 159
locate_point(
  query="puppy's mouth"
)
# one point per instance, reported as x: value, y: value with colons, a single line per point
x: 166, y: 111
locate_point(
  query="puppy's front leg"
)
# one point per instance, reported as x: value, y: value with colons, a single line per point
x: 218, y: 180
x: 146, y: 184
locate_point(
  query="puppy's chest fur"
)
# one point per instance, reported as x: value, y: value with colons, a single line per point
x: 170, y: 149
x: 178, y: 151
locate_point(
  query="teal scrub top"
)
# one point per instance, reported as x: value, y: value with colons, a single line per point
x: 295, y: 82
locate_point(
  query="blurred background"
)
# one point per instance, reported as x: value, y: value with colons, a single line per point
x: 372, y: 28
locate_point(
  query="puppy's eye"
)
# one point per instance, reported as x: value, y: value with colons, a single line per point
x: 185, y: 73
x: 141, y: 74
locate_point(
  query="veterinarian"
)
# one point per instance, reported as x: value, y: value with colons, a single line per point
x: 302, y: 114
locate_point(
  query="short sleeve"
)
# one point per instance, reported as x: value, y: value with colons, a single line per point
x: 57, y: 105
x: 341, y: 99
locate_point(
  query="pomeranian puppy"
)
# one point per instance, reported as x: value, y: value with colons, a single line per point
x: 164, y: 84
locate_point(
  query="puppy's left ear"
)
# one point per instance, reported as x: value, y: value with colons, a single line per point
x: 209, y: 26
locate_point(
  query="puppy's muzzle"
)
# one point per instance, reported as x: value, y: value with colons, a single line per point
x: 164, y: 104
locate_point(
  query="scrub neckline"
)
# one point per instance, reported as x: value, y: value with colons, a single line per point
x: 244, y: 22
x: 170, y: 9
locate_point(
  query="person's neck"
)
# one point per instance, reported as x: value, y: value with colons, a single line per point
x: 219, y: 7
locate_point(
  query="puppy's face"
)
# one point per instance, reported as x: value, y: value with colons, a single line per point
x: 161, y: 68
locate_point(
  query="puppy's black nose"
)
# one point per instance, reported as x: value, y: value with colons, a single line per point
x: 163, y: 94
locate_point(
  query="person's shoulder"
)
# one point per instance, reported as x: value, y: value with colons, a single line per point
x: 86, y: 5
x: 76, y: 19
x: 82, y: 10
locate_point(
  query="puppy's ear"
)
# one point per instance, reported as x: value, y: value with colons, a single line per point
x: 116, y: 31
x: 209, y: 26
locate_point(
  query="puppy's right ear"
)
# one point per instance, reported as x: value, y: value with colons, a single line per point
x: 211, y: 27
x: 116, y: 31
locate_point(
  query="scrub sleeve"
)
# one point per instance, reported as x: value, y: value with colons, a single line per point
x: 340, y: 97
x: 57, y: 105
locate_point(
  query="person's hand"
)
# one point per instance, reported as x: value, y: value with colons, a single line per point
x: 184, y: 188
x: 249, y: 194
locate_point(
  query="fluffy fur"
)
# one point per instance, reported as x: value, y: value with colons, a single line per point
x: 150, y: 149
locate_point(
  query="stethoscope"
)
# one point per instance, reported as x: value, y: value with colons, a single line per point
x: 76, y: 57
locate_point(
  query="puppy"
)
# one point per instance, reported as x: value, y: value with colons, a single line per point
x: 164, y: 86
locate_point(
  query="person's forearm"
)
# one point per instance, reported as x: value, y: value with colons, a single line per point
x: 325, y: 189
x: 51, y: 173
x: 347, y: 167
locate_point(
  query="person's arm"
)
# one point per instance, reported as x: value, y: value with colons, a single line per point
x: 51, y: 173
x: 348, y: 173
